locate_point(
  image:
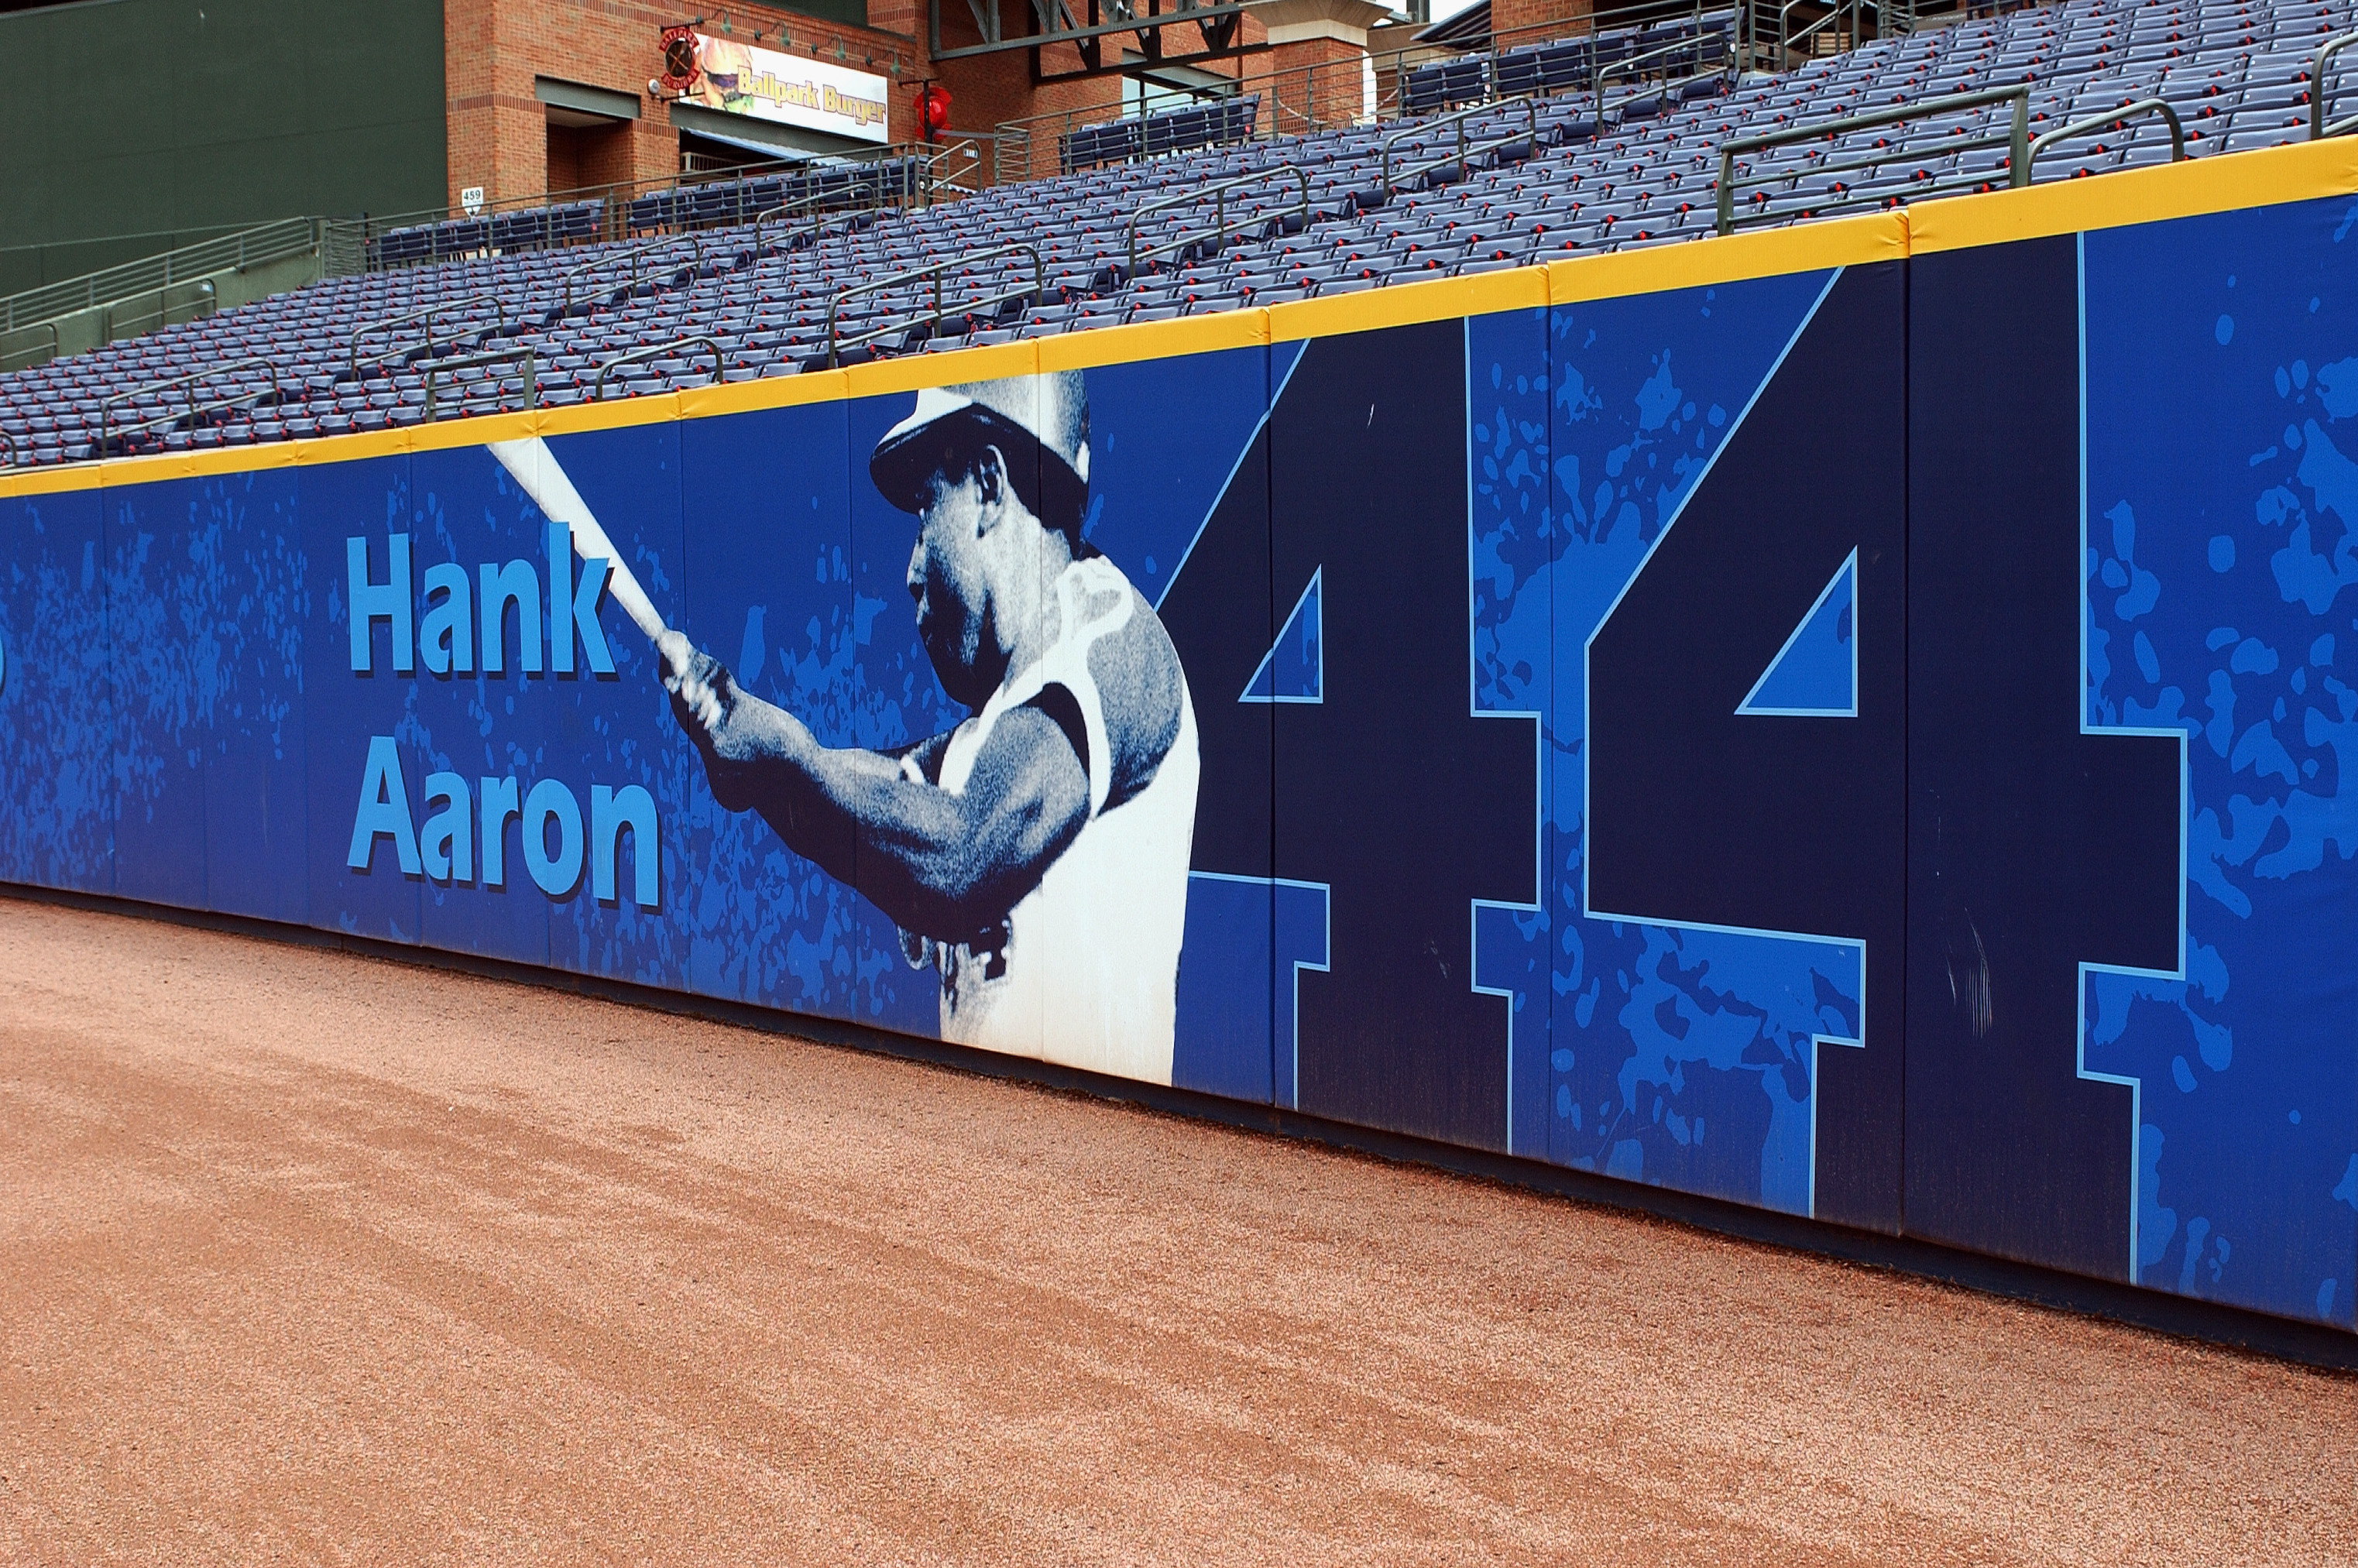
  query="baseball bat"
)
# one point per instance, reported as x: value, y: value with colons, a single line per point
x: 538, y: 472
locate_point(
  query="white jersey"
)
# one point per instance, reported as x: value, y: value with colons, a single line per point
x: 1086, y: 972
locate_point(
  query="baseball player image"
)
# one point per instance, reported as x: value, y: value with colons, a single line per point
x: 1035, y: 856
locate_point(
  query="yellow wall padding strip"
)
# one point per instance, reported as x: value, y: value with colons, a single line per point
x: 1760, y: 252
x: 2220, y: 183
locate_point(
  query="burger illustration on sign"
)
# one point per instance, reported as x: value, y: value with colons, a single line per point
x: 728, y: 73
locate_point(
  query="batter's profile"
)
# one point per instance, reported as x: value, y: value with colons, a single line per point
x: 1034, y: 856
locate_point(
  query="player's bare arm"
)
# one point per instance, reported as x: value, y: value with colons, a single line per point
x: 931, y: 859
x: 1139, y: 687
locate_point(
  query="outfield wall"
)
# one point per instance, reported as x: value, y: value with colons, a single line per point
x: 1852, y: 720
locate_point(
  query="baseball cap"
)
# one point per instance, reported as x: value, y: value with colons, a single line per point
x: 1049, y: 414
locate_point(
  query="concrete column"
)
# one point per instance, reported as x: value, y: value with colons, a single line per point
x: 1319, y: 50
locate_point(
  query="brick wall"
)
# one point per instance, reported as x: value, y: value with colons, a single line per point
x: 582, y: 156
x: 1510, y: 16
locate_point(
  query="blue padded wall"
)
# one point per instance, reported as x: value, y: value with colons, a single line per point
x: 466, y: 512
x: 163, y: 591
x: 371, y: 501
x: 1692, y: 1049
x: 1184, y: 511
x: 1391, y: 791
x: 2033, y: 847
x: 765, y: 582
x: 57, y: 696
x: 1512, y: 542
x: 2219, y: 596
x: 615, y: 732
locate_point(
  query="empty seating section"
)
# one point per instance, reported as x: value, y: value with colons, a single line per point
x: 1148, y: 135
x: 818, y: 188
x: 570, y: 222
x: 1679, y: 48
x: 707, y: 204
x: 2235, y: 70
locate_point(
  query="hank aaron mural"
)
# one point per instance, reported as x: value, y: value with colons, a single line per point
x: 1035, y: 856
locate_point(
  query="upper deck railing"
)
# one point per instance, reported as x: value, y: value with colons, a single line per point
x: 248, y: 247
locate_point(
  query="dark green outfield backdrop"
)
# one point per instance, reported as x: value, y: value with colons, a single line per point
x: 129, y: 126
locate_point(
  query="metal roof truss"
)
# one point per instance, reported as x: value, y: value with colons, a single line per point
x: 1056, y: 22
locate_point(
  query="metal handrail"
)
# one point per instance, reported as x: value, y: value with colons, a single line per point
x: 1530, y: 106
x: 725, y: 219
x: 544, y: 217
x: 248, y: 247
x: 969, y: 143
x: 2318, y: 126
x: 13, y: 451
x: 1785, y: 33
x: 209, y: 298
x: 344, y: 247
x: 598, y: 387
x: 57, y: 344
x: 478, y: 362
x: 836, y: 343
x: 616, y: 196
x: 1220, y: 195
x: 374, y: 230
x: 822, y: 211
x: 865, y: 189
x: 194, y: 409
x: 2099, y: 122
x: 630, y: 253
x: 783, y: 211
x: 1781, y: 59
x: 1661, y: 84
x: 1841, y: 8
x: 190, y: 383
x: 2016, y: 142
x: 1630, y: 64
x: 819, y: 205
x: 426, y: 313
x: 1142, y: 141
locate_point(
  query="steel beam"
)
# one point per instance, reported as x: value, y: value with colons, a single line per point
x: 1076, y: 35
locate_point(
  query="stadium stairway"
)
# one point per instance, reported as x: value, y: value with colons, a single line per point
x: 1506, y: 182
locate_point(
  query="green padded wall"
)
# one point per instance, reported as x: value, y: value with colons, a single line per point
x: 129, y: 126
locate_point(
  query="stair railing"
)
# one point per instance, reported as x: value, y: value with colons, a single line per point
x: 2017, y: 141
x: 836, y: 342
x: 424, y: 313
x: 1222, y: 226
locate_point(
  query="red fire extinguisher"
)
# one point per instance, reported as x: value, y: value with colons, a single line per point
x: 933, y: 109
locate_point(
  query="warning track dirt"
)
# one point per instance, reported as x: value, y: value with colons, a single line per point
x: 308, y: 1257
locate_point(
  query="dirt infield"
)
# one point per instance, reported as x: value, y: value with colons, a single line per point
x: 311, y: 1258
